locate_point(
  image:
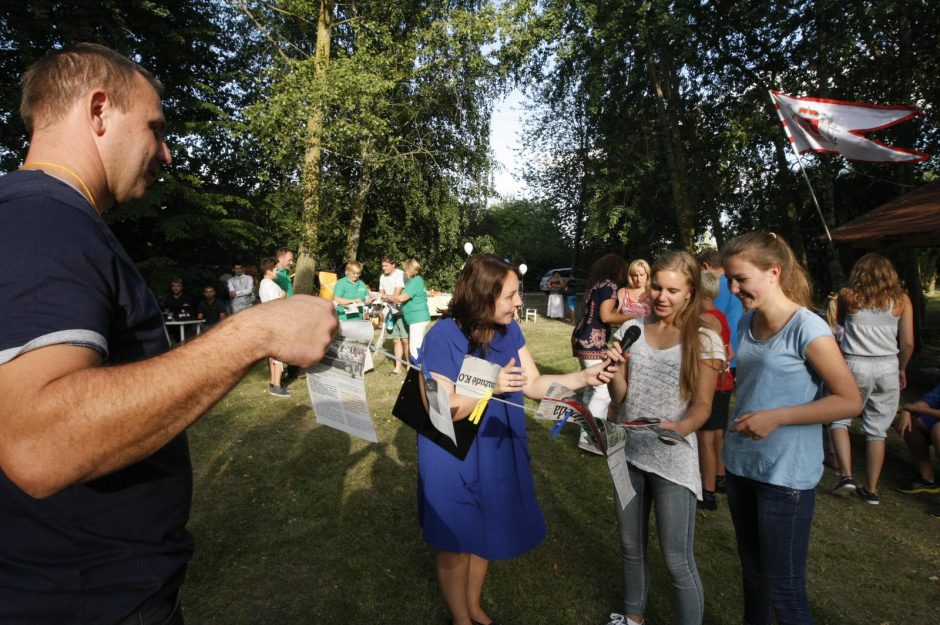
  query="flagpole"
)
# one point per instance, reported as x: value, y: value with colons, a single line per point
x: 799, y: 160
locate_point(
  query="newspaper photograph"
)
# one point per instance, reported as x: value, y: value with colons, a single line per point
x: 336, y: 386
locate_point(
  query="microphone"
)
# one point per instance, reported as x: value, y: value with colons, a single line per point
x: 629, y: 337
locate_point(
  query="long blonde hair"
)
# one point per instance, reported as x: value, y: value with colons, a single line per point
x: 765, y: 250
x: 688, y: 318
x: 873, y: 283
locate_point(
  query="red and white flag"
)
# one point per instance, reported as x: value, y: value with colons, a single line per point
x: 838, y: 127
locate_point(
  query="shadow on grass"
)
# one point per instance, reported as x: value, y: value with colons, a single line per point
x: 297, y: 523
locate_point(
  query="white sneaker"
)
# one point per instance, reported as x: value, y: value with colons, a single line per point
x: 622, y: 619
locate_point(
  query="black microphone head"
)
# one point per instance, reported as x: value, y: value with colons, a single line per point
x: 629, y: 337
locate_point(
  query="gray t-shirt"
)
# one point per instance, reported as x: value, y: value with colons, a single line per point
x: 654, y: 392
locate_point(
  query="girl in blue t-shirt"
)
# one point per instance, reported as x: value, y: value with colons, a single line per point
x: 773, y: 451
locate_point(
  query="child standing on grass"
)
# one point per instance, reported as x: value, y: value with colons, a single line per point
x: 711, y: 438
x: 773, y: 451
x: 878, y: 339
x: 268, y: 291
x: 670, y: 375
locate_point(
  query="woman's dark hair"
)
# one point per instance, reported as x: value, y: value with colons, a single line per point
x: 474, y: 300
x: 608, y: 267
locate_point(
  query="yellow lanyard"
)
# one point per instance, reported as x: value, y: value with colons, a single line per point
x: 81, y: 182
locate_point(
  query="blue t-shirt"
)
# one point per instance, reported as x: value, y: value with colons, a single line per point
x: 932, y: 399
x: 95, y: 551
x: 729, y: 304
x: 774, y: 373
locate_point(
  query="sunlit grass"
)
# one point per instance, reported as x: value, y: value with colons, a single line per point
x: 299, y: 523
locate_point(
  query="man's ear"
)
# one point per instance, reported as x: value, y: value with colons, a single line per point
x: 99, y: 105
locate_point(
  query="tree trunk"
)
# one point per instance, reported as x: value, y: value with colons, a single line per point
x: 359, y: 206
x: 312, y: 172
x: 675, y: 154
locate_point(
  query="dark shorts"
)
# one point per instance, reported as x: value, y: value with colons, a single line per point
x: 718, y: 420
x: 399, y: 330
x: 572, y: 301
x: 928, y: 421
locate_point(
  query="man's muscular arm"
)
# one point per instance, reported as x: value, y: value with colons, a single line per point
x: 65, y: 419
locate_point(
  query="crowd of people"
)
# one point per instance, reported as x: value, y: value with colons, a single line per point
x: 96, y: 479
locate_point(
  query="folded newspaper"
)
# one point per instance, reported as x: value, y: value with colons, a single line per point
x: 561, y: 404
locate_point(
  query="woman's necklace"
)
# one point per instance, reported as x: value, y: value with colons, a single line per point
x: 84, y: 188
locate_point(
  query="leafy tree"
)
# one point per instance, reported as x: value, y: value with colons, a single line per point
x: 198, y: 218
x: 397, y: 107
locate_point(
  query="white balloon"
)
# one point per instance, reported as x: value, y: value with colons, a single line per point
x: 523, y: 268
x: 468, y: 247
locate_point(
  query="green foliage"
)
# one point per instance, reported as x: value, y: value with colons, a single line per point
x: 605, y: 154
x: 525, y: 232
x: 405, y: 123
x: 200, y: 217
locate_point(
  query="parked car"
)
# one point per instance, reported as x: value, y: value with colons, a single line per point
x: 565, y: 273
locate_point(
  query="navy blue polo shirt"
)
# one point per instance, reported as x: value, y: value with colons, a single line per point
x: 94, y: 552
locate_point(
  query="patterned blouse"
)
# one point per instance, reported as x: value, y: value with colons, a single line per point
x: 590, y: 336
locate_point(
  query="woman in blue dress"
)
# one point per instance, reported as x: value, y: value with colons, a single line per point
x: 483, y: 508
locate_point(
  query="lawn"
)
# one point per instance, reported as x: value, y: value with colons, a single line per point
x: 299, y: 523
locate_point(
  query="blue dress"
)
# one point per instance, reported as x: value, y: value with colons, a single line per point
x: 485, y: 504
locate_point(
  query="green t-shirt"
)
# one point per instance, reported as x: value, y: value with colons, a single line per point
x: 283, y: 280
x: 415, y: 310
x: 347, y: 289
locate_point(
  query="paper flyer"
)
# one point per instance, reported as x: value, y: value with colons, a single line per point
x: 439, y: 408
x: 617, y: 463
x: 336, y: 386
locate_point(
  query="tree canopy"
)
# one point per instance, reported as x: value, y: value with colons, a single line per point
x: 359, y: 129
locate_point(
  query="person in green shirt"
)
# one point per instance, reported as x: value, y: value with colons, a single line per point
x: 414, y: 305
x: 285, y: 259
x: 351, y: 290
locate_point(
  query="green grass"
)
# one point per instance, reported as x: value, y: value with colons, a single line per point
x: 299, y: 523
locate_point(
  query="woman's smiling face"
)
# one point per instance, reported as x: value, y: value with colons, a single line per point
x: 504, y: 309
x: 750, y: 283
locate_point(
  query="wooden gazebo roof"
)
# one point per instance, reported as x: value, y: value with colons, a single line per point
x: 911, y: 220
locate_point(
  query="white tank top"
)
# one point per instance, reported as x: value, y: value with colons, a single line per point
x: 871, y: 332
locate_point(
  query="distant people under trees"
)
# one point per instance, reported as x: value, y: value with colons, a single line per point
x: 241, y: 288
x: 210, y: 309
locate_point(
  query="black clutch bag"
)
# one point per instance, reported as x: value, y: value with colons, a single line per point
x: 410, y: 409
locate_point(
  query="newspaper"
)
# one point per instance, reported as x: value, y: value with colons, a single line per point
x: 336, y: 386
x: 561, y: 404
x: 439, y: 408
x: 475, y: 378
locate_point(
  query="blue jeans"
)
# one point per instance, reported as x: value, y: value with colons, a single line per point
x: 772, y: 525
x: 675, y: 523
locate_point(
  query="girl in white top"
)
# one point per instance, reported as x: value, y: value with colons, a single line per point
x: 669, y: 374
